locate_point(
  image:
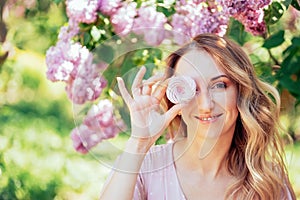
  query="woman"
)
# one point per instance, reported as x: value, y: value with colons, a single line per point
x: 230, y: 146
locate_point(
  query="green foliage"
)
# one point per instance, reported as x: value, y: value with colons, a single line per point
x: 39, y: 28
x: 274, y: 12
x: 295, y: 4
x: 274, y: 40
x: 289, y: 73
x: 287, y: 76
x: 236, y: 31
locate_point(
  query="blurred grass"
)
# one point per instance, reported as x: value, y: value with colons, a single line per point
x: 37, y: 160
x: 293, y: 164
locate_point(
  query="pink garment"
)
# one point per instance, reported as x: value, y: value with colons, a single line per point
x: 157, y: 179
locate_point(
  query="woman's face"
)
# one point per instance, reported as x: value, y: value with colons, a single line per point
x: 213, y: 110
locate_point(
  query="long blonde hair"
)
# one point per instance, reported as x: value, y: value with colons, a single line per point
x: 256, y: 154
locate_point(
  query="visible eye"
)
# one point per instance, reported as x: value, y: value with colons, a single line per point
x: 219, y: 85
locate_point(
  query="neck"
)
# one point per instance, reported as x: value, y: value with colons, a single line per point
x: 206, y: 155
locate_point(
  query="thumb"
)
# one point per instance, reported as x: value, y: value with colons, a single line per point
x: 173, y: 112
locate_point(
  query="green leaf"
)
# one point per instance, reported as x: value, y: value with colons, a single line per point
x: 274, y: 40
x: 166, y: 11
x: 290, y: 85
x: 286, y: 3
x: 295, y: 4
x: 57, y: 1
x: 104, y: 53
x: 86, y: 38
x: 296, y: 41
x: 237, y: 32
x: 273, y: 13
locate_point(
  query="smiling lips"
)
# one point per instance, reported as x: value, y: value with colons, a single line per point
x: 208, y: 119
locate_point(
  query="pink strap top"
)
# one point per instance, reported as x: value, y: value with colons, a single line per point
x: 158, y: 177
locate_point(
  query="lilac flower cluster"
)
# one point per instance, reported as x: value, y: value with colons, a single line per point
x: 195, y: 17
x: 109, y: 7
x: 122, y: 19
x: 150, y: 23
x: 99, y: 124
x: 82, y: 10
x: 125, y: 17
x: 249, y: 12
x: 71, y: 62
x: 88, y: 84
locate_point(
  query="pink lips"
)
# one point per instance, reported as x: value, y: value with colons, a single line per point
x: 208, y: 118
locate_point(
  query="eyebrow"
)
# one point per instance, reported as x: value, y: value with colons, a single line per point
x: 217, y: 77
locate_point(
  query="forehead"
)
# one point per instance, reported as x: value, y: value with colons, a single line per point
x: 197, y: 63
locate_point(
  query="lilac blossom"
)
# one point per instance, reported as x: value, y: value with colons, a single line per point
x: 150, y: 23
x: 101, y: 117
x: 84, y: 138
x: 99, y: 124
x: 196, y: 17
x: 88, y: 83
x: 82, y: 10
x: 63, y: 60
x: 253, y: 21
x: 109, y: 7
x: 249, y: 13
x: 66, y: 33
x: 122, y: 19
x: 236, y: 7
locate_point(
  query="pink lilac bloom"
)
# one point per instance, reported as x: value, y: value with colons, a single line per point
x: 109, y: 7
x: 63, y: 60
x: 193, y: 18
x: 101, y: 118
x: 66, y: 33
x: 99, y: 124
x: 88, y: 83
x: 253, y: 21
x: 84, y: 138
x: 122, y: 19
x: 249, y: 13
x: 150, y: 23
x: 82, y: 10
x: 236, y: 7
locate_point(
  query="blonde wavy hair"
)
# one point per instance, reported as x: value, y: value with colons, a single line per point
x: 256, y: 156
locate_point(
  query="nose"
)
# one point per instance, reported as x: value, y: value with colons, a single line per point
x: 205, y: 102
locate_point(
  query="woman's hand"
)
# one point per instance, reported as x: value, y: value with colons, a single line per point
x: 147, y: 123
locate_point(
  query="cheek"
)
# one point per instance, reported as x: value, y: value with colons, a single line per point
x: 231, y: 103
x: 227, y: 100
x: 188, y: 108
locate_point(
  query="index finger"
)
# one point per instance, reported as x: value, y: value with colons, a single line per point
x: 137, y: 82
x: 153, y: 80
x: 160, y: 90
x: 126, y: 96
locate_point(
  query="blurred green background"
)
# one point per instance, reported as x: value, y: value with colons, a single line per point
x: 37, y: 160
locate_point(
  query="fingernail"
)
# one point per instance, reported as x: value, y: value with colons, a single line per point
x: 119, y: 78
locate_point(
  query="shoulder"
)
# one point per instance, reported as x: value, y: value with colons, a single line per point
x: 158, y: 157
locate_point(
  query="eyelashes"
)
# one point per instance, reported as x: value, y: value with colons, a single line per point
x: 221, y: 85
